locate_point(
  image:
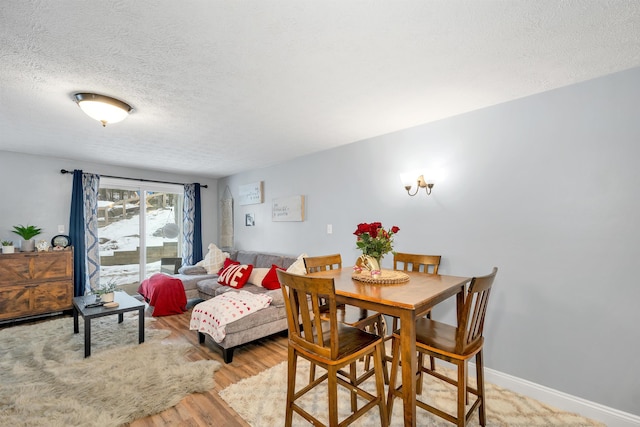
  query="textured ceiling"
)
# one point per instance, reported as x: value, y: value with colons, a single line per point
x: 220, y: 87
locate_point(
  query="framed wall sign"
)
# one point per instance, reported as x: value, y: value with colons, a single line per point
x: 251, y: 194
x: 288, y: 209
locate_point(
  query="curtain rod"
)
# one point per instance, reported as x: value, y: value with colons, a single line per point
x: 63, y: 171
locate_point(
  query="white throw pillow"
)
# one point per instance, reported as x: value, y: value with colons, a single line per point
x: 298, y: 266
x: 257, y: 275
x: 214, y: 260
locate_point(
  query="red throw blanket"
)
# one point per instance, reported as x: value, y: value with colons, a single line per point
x: 165, y: 294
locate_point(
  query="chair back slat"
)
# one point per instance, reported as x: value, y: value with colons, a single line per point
x: 415, y: 262
x: 471, y: 322
x: 311, y: 312
x: 301, y: 309
x: 323, y: 263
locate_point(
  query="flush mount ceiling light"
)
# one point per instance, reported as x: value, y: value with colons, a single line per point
x: 102, y: 108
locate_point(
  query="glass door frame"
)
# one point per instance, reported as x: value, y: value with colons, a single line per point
x: 143, y: 187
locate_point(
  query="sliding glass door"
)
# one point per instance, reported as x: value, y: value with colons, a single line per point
x: 138, y: 224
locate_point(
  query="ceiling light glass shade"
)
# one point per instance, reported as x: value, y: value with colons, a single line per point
x: 102, y: 108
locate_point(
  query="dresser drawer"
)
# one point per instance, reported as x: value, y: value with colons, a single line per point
x: 27, y: 267
x: 15, y: 301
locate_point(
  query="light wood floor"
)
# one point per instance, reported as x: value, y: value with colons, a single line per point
x: 208, y: 409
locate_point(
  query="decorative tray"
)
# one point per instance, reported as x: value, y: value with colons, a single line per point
x: 386, y: 277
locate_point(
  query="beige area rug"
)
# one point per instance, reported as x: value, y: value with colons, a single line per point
x: 260, y: 401
x: 46, y: 381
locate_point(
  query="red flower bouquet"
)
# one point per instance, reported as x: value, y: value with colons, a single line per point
x: 373, y: 240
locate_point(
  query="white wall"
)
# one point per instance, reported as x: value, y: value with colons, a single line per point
x: 545, y: 188
x: 33, y: 191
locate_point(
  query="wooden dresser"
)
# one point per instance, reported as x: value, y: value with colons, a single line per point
x: 34, y: 283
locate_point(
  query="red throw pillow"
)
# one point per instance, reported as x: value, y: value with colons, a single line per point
x: 270, y: 281
x: 235, y: 275
x: 227, y: 263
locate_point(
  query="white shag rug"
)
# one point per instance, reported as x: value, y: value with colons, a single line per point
x: 260, y: 401
x: 46, y: 381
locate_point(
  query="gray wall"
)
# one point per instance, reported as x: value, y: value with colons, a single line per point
x: 33, y: 191
x: 545, y: 188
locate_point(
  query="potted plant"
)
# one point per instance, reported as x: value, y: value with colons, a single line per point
x: 27, y: 233
x: 7, y: 247
x: 105, y: 292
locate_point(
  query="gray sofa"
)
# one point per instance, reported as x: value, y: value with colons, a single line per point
x: 260, y: 324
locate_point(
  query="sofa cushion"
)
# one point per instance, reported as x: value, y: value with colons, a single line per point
x: 248, y: 258
x: 248, y: 287
x: 192, y: 270
x: 277, y: 299
x: 267, y: 260
x: 264, y: 316
x: 235, y: 275
x: 287, y: 261
x: 207, y: 288
x: 213, y: 316
x: 190, y: 281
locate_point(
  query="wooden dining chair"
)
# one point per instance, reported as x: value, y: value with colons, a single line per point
x: 419, y: 263
x: 322, y: 263
x: 456, y: 345
x: 330, y: 345
x: 427, y: 264
x: 350, y: 315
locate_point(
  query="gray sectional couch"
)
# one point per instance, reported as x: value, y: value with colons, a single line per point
x: 260, y: 324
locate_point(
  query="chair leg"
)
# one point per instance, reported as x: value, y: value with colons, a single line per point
x: 333, y: 395
x: 387, y: 358
x: 312, y: 373
x: 353, y: 375
x: 466, y: 401
x: 480, y: 388
x: 379, y: 362
x: 378, y: 328
x: 395, y: 363
x: 291, y: 385
x: 394, y: 324
x: 431, y: 358
x: 381, y: 330
x: 420, y: 373
x: 462, y: 393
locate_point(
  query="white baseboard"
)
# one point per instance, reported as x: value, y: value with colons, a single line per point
x: 566, y: 402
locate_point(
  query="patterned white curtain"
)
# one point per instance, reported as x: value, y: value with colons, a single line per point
x: 188, y: 223
x: 90, y: 187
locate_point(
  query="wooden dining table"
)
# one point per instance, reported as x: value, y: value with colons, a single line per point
x: 407, y: 301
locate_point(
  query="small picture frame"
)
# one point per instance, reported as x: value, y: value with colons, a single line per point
x: 251, y: 194
x: 249, y: 220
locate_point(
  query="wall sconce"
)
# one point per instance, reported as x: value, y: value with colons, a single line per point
x: 407, y: 181
x: 102, y: 108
